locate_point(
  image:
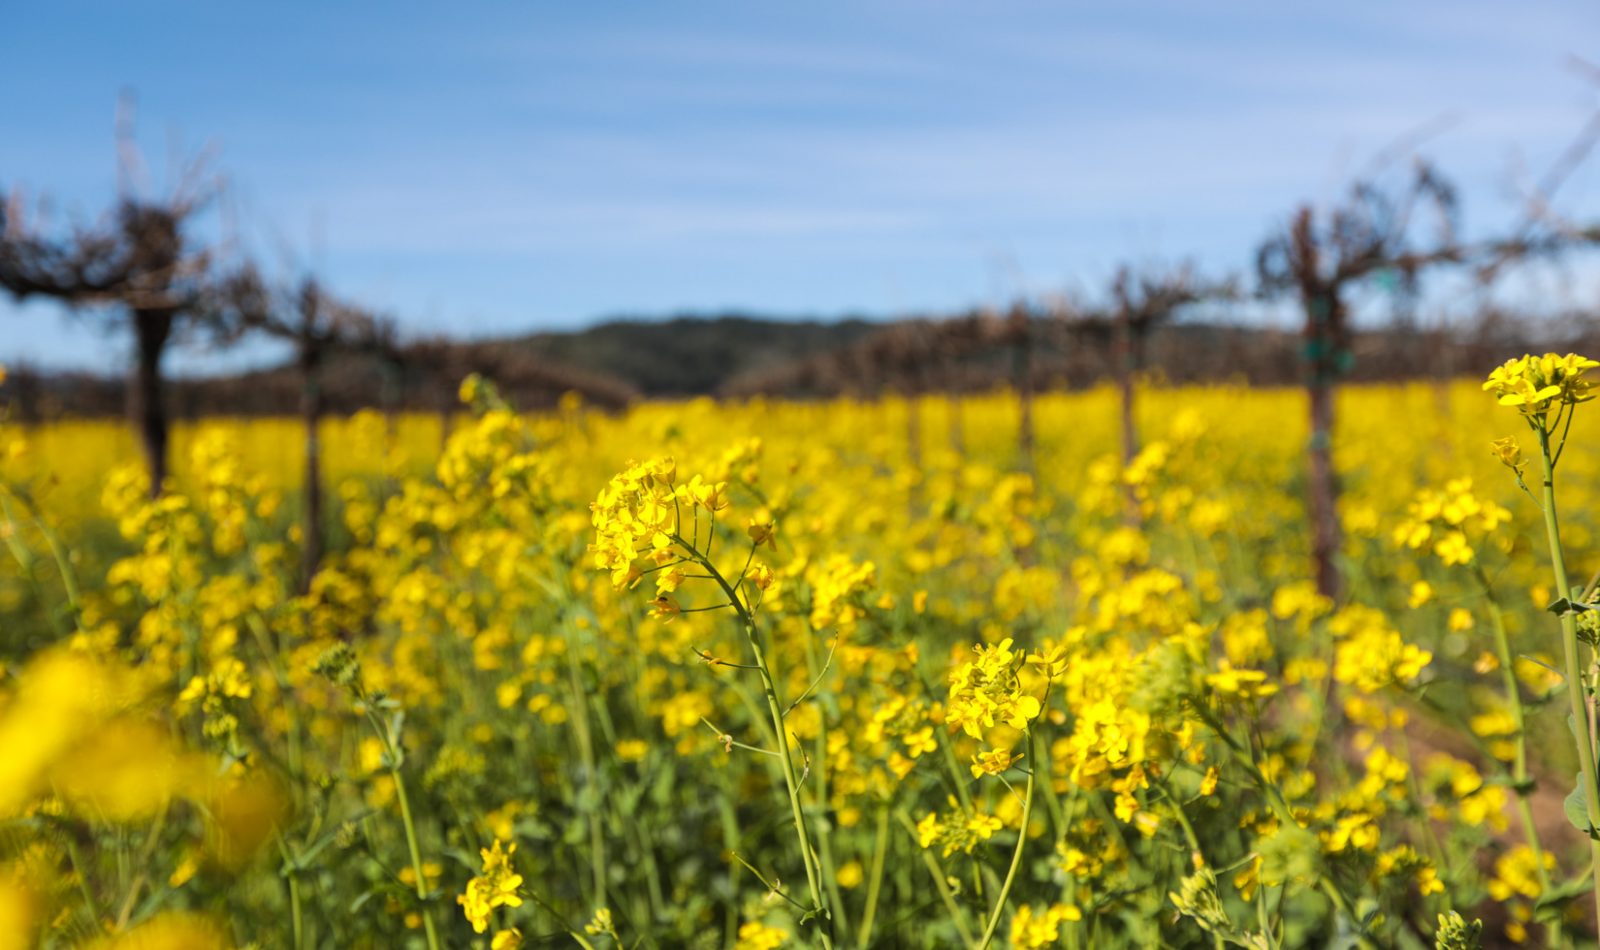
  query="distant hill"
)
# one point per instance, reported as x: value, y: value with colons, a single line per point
x: 610, y: 363
x: 738, y: 355
x: 691, y: 355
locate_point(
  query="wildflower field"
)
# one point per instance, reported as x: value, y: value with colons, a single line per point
x: 840, y: 674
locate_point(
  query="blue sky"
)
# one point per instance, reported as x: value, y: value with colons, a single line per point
x: 482, y: 169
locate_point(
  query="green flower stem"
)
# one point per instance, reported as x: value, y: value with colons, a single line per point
x: 58, y: 552
x: 81, y: 872
x: 791, y: 783
x: 27, y: 561
x: 1263, y: 920
x: 272, y: 653
x: 786, y: 756
x: 586, y: 759
x: 654, y: 899
x: 1245, y: 755
x: 1052, y: 802
x: 1576, y: 687
x: 956, y: 916
x: 1016, y: 856
x: 416, y: 858
x: 392, y: 754
x: 732, y: 843
x: 957, y: 775
x: 1519, y: 765
x: 52, y: 540
x: 1414, y: 796
x: 830, y: 874
x: 880, y: 845
x: 1332, y: 890
x: 296, y: 915
x: 1197, y: 855
x: 559, y: 918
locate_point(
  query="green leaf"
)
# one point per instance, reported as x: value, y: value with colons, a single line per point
x: 1577, y: 809
x: 1565, y: 605
x: 307, y: 858
x: 1539, y: 662
x: 1562, y: 894
x: 1367, y: 911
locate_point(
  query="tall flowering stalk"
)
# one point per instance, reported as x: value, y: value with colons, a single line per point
x: 1546, y: 390
x: 985, y: 692
x: 341, y: 667
x: 640, y: 517
x: 1452, y: 524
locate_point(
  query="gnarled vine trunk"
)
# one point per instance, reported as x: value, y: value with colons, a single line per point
x: 147, y: 392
